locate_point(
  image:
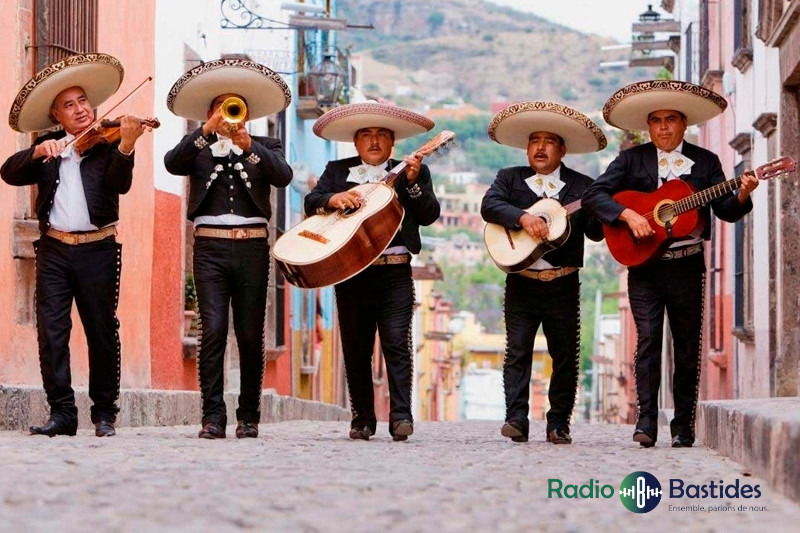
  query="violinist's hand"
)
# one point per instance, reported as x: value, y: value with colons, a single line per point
x: 241, y: 137
x: 50, y: 148
x: 412, y: 170
x: 130, y: 129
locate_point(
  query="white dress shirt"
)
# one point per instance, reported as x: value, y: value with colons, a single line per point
x: 545, y: 185
x: 70, y: 212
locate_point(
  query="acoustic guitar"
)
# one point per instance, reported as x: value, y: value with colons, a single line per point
x: 330, y: 248
x: 672, y: 212
x: 513, y: 250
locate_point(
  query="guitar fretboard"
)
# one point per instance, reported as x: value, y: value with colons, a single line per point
x: 705, y: 196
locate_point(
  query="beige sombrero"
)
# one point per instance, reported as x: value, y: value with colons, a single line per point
x: 99, y: 75
x: 264, y: 90
x: 341, y: 123
x: 513, y: 126
x: 628, y: 108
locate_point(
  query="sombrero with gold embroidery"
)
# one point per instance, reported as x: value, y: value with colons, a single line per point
x: 263, y: 89
x: 513, y: 126
x: 629, y: 107
x: 341, y: 123
x: 99, y: 75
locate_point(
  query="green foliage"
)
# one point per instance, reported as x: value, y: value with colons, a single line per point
x: 478, y: 288
x: 435, y: 20
x: 449, y: 233
x: 189, y: 293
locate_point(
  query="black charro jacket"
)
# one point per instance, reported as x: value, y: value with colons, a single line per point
x: 422, y: 211
x: 264, y: 163
x: 105, y: 171
x: 509, y: 196
x: 636, y: 169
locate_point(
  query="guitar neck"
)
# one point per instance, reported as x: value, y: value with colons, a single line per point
x: 389, y: 178
x: 699, y: 199
x: 572, y: 207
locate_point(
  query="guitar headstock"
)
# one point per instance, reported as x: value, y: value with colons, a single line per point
x: 439, y: 141
x: 776, y: 167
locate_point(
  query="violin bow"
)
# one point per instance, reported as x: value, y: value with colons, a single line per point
x: 91, y: 126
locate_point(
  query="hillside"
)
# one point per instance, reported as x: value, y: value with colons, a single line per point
x: 427, y: 54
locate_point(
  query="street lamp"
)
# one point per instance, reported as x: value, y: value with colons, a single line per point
x: 326, y: 80
x: 650, y: 15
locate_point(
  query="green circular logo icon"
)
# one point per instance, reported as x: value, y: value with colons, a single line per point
x: 640, y: 492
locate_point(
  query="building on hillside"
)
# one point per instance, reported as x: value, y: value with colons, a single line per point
x: 454, y: 112
x: 462, y: 209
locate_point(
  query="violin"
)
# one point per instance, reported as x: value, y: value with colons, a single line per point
x: 107, y: 132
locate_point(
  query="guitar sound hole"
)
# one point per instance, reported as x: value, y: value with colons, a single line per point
x: 348, y: 211
x: 666, y: 213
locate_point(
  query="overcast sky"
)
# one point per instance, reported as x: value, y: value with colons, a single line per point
x: 612, y: 18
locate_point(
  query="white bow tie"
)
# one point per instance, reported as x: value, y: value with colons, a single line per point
x: 674, y: 163
x: 223, y: 147
x: 545, y: 185
x: 364, y: 173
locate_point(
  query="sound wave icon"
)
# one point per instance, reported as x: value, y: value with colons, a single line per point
x: 641, y: 492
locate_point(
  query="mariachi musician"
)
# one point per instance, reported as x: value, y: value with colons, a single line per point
x: 674, y: 282
x: 77, y: 256
x: 230, y: 174
x: 380, y: 297
x: 547, y: 293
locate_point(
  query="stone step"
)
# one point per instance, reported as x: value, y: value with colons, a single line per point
x: 761, y: 434
x: 21, y: 406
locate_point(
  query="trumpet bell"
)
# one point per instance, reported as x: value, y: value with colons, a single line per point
x: 233, y: 110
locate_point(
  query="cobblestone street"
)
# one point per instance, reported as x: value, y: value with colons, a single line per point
x: 308, y: 476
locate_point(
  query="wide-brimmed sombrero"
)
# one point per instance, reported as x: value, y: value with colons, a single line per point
x: 513, y: 126
x: 99, y: 75
x: 629, y: 107
x: 264, y: 90
x: 341, y: 123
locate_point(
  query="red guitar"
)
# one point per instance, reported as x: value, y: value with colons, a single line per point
x: 671, y: 211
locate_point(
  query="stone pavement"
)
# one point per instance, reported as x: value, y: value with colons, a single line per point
x: 308, y: 476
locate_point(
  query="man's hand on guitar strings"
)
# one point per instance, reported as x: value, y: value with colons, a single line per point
x: 637, y: 223
x: 534, y: 226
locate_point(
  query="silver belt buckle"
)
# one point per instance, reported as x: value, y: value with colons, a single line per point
x: 668, y: 255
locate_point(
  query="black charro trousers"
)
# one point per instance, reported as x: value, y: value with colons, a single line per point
x: 678, y: 286
x: 231, y: 274
x: 379, y: 298
x: 555, y: 305
x: 88, y: 274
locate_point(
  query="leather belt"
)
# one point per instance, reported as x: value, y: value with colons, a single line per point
x: 677, y: 253
x: 81, y: 238
x: 233, y: 233
x: 393, y: 259
x: 549, y: 274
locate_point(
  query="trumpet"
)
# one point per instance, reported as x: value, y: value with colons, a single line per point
x: 234, y: 112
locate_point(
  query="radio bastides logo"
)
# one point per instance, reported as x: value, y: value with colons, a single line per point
x: 640, y: 492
